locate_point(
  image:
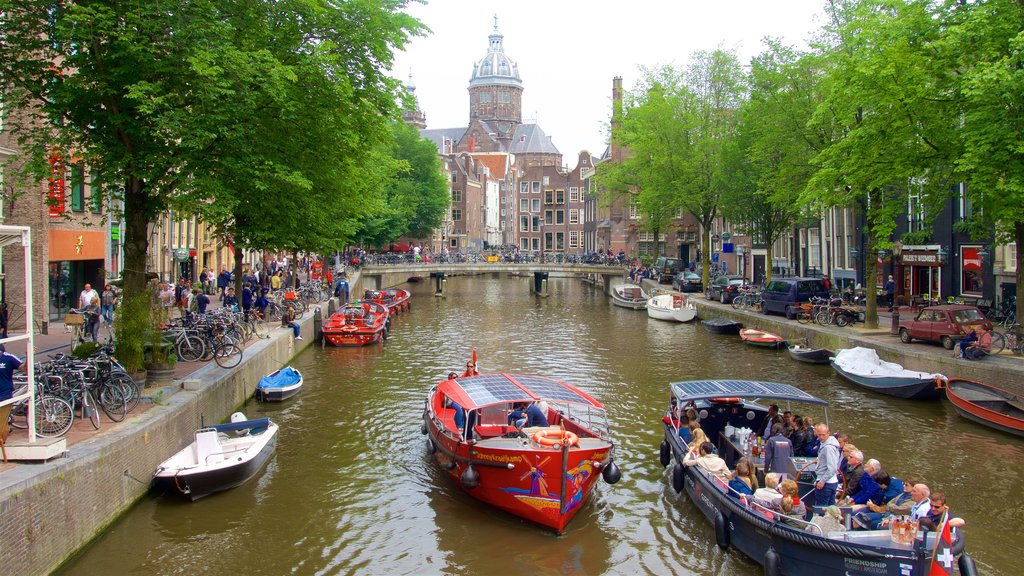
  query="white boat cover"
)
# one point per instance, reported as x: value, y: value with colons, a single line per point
x: 866, y: 363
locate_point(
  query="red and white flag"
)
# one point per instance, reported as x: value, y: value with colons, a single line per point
x: 942, y: 557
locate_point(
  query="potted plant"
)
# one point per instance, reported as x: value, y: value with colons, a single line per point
x: 131, y: 331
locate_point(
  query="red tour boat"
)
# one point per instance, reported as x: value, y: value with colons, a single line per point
x: 542, y: 473
x: 357, y: 324
x: 395, y: 299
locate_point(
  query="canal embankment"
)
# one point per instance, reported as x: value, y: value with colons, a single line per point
x: 50, y: 510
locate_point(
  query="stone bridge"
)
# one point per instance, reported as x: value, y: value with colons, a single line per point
x: 377, y: 276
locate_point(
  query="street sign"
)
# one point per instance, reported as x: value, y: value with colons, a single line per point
x: 715, y: 238
x: 115, y: 232
x: 181, y: 254
x: 726, y: 236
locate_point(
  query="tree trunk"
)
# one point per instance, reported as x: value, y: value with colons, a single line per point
x: 136, y: 237
x: 1018, y: 236
x: 870, y: 280
x: 238, y: 272
x: 705, y: 255
x: 769, y: 254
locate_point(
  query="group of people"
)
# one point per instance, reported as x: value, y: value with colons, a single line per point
x: 975, y: 345
x: 97, y: 306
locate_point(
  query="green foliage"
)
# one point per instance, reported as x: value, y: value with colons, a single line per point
x: 85, y: 350
x: 916, y: 237
x: 131, y: 330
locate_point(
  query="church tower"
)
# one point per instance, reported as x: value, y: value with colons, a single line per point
x: 413, y: 116
x: 496, y: 90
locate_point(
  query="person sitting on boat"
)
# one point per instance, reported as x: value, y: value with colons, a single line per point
x: 709, y: 461
x: 981, y: 347
x: 684, y: 429
x: 866, y: 488
x: 965, y: 342
x: 740, y: 483
x: 854, y: 471
x: 827, y: 468
x: 699, y: 438
x: 891, y: 487
x: 452, y: 375
x: 471, y: 371
x: 764, y: 430
x: 535, y: 416
x: 769, y: 496
x: 937, y: 508
x: 691, y: 431
x: 813, y: 442
x: 776, y: 443
x: 799, y: 436
x: 871, y: 515
x: 459, y: 416
x: 791, y: 491
x: 517, y: 416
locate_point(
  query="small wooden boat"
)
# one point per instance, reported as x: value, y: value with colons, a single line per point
x: 415, y: 279
x: 782, y: 544
x: 221, y: 457
x: 810, y: 355
x: 762, y: 339
x: 396, y: 300
x: 357, y: 324
x: 988, y: 405
x: 279, y: 385
x: 629, y: 296
x: 863, y: 367
x: 671, y: 307
x: 722, y: 326
x: 542, y: 473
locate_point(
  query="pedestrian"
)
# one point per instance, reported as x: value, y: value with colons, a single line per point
x: 230, y: 300
x: 107, y: 304
x: 4, y: 319
x: 92, y: 319
x: 85, y: 298
x: 202, y: 301
x: 223, y: 281
x: 247, y: 299
x: 8, y: 364
x: 890, y: 291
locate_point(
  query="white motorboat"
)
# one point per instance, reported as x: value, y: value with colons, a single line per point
x: 671, y: 307
x: 629, y: 296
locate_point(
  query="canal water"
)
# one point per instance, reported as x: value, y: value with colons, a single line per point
x: 351, y: 489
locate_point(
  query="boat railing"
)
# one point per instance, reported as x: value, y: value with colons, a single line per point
x: 225, y: 453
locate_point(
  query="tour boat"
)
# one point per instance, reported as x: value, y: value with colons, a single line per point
x: 722, y: 326
x: 782, y: 544
x: 987, y: 405
x: 396, y: 300
x: 763, y: 339
x: 357, y: 324
x: 809, y: 355
x: 671, y: 307
x: 629, y: 296
x: 279, y: 385
x: 863, y: 367
x: 221, y: 457
x: 542, y: 474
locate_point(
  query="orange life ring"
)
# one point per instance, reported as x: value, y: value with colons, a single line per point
x: 555, y: 438
x: 726, y: 400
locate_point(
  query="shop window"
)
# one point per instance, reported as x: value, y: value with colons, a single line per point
x: 77, y: 188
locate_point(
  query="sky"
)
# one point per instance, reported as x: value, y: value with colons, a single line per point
x: 568, y: 51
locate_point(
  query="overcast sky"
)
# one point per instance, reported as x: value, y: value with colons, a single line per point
x: 568, y: 51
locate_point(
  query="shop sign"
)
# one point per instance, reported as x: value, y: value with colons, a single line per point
x: 920, y: 258
x: 181, y: 254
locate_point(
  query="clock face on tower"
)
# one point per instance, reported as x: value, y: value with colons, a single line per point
x: 504, y: 127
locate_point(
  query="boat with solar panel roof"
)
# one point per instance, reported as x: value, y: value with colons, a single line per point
x: 484, y: 432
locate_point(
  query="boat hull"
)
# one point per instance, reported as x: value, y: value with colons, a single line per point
x: 762, y: 339
x: 278, y: 394
x: 987, y: 405
x: 353, y: 339
x: 199, y: 483
x: 811, y: 355
x: 270, y: 389
x: 357, y: 325
x: 676, y: 312
x: 629, y: 296
x: 716, y: 326
x: 522, y: 480
x: 908, y: 388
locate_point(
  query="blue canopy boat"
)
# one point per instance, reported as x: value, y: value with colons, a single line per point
x: 781, y: 544
x: 279, y: 385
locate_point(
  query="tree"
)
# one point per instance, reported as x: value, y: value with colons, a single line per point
x: 163, y: 98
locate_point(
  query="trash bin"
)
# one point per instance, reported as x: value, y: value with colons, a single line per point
x: 895, y: 328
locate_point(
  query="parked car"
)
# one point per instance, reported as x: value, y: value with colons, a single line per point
x: 725, y: 288
x: 666, y: 269
x: 946, y: 324
x: 784, y: 295
x: 688, y: 282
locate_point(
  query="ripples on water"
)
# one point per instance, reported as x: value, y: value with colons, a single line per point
x: 351, y: 489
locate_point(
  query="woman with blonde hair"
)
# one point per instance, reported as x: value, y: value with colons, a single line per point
x: 698, y: 438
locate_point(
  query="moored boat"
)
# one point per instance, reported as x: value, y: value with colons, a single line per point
x: 221, y: 457
x: 808, y: 355
x: 279, y: 385
x: 987, y: 405
x: 722, y: 326
x: 396, y: 300
x: 540, y: 473
x: 782, y: 544
x: 863, y: 367
x: 671, y: 307
x: 762, y: 339
x: 629, y: 296
x: 357, y: 324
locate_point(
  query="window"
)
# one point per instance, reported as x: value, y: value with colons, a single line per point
x: 524, y: 205
x: 966, y: 207
x: 455, y: 176
x: 95, y: 194
x: 814, y: 249
x: 547, y: 181
x: 485, y: 97
x: 524, y: 223
x: 535, y: 205
x: 634, y: 212
x: 536, y: 223
x: 456, y: 195
x: 536, y: 244
x: 536, y: 186
x: 77, y: 188
x: 560, y: 241
x: 504, y: 97
x: 456, y: 215
x: 915, y: 209
x: 559, y: 196
x: 524, y: 243
x: 524, y: 187
x: 574, y: 218
x: 549, y: 197
x: 549, y: 217
x: 574, y: 194
x: 559, y: 216
x: 549, y: 241
x: 574, y: 239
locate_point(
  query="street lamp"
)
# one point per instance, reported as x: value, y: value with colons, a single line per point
x: 983, y: 254
x: 854, y: 252
x: 942, y: 254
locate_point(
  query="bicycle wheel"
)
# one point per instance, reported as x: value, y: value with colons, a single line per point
x: 19, y: 415
x: 113, y: 402
x: 190, y: 348
x: 842, y: 320
x: 823, y: 317
x: 998, y: 343
x: 739, y: 302
x: 90, y: 410
x: 227, y: 355
x: 803, y: 316
x: 54, y: 416
x: 129, y: 388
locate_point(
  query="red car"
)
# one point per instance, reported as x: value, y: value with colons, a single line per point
x: 946, y: 324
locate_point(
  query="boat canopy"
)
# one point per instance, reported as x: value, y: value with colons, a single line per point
x: 477, y: 391
x: 748, y: 389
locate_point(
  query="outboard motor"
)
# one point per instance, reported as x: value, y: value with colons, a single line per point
x: 238, y: 417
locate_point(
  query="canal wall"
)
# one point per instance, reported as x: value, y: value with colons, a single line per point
x: 1005, y: 371
x: 48, y: 511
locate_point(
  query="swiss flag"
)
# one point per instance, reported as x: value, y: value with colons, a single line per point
x: 942, y: 557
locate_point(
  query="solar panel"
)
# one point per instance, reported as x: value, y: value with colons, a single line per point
x: 551, y: 390
x: 491, y: 388
x: 702, y: 389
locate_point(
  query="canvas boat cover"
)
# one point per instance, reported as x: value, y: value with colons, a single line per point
x: 864, y: 362
x: 286, y: 376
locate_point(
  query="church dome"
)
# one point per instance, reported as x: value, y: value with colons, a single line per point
x: 495, y: 67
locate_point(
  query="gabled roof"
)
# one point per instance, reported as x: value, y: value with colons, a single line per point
x: 439, y: 135
x: 496, y: 162
x: 530, y: 139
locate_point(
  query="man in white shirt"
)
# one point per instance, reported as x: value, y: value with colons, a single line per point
x: 86, y: 296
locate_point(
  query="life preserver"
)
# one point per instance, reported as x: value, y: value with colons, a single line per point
x: 555, y: 438
x: 726, y: 400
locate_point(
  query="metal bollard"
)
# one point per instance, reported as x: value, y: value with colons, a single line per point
x: 332, y: 306
x: 318, y: 324
x: 895, y: 328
